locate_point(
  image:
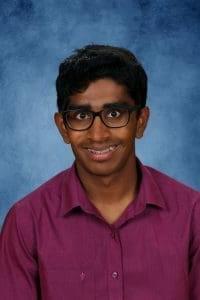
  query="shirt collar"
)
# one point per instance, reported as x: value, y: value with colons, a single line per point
x: 73, y: 194
x: 149, y: 187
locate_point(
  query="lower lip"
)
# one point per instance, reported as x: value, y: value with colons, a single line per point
x: 102, y: 156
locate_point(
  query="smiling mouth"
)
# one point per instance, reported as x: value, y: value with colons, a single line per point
x: 103, y: 153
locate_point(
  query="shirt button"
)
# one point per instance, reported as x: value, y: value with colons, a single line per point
x: 114, y: 275
x: 82, y: 276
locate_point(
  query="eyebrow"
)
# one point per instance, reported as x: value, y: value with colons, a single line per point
x: 106, y: 105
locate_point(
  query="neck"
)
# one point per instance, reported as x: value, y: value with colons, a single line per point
x: 117, y: 189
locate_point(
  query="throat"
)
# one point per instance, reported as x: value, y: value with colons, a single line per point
x: 112, y: 211
x: 112, y: 194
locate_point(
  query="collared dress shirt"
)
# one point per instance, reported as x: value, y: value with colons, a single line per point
x: 55, y: 245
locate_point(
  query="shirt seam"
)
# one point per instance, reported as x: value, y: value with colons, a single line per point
x: 21, y: 237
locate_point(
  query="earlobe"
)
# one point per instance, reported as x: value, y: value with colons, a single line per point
x: 142, y: 122
x: 140, y: 128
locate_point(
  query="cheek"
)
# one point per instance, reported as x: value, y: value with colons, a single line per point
x: 127, y: 134
x: 74, y: 137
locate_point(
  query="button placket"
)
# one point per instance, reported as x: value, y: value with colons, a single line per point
x: 115, y: 276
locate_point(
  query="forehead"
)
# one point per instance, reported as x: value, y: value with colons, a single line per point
x: 102, y: 92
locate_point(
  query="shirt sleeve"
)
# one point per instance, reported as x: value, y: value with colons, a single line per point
x: 18, y: 264
x: 194, y: 274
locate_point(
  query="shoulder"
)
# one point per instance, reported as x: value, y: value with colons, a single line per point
x: 46, y: 196
x: 172, y: 190
x: 28, y: 214
x: 182, y: 202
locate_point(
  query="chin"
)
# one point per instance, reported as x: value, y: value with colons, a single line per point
x: 102, y: 169
x: 100, y: 172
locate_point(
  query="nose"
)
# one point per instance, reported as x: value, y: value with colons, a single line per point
x: 98, y: 132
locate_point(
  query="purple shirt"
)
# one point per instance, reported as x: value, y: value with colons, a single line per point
x: 55, y: 245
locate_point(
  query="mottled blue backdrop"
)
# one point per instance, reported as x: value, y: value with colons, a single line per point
x: 35, y: 35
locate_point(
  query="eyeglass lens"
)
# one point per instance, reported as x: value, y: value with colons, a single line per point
x: 80, y: 119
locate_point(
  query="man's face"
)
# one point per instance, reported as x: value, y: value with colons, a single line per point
x: 101, y: 150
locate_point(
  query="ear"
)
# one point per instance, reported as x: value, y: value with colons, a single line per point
x: 61, y: 127
x: 142, y: 120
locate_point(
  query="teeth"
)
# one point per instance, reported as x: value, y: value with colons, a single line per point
x: 99, y: 151
x: 111, y: 148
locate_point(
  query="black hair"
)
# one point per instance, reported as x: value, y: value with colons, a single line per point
x: 95, y: 62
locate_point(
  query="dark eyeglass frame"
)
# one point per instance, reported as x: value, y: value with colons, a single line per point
x: 127, y: 107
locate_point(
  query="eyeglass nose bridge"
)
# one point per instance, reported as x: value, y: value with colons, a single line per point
x: 97, y: 114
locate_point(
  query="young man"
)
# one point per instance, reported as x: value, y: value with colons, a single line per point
x: 108, y: 227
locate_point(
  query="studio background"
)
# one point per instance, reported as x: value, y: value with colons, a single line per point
x: 36, y: 36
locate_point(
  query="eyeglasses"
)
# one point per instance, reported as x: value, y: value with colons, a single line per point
x: 113, y: 116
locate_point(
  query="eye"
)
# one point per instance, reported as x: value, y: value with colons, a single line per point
x: 83, y: 115
x: 113, y: 113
